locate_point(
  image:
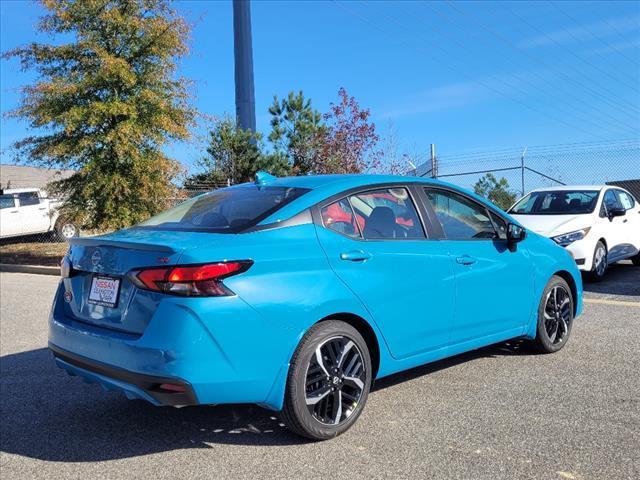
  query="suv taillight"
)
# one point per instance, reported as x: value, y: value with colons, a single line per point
x: 189, y: 280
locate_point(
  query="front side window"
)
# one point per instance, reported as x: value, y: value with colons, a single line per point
x: 387, y: 213
x: 228, y: 210
x: 461, y: 218
x: 625, y: 199
x: 557, y: 202
x: 28, y: 198
x: 611, y: 200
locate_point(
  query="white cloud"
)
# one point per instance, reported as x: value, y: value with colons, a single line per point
x: 616, y: 47
x: 461, y: 94
x: 600, y: 29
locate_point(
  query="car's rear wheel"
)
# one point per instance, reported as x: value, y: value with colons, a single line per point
x: 65, y: 229
x: 636, y: 260
x: 555, y: 316
x: 599, y: 266
x: 329, y: 381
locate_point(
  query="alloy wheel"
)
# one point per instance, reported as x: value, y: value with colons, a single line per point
x: 600, y: 261
x: 557, y: 314
x: 335, y: 380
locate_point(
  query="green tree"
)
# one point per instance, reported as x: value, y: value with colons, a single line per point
x: 235, y: 155
x: 295, y: 128
x: 497, y: 191
x: 106, y: 101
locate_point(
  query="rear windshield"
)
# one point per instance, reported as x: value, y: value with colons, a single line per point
x: 557, y: 202
x: 228, y: 210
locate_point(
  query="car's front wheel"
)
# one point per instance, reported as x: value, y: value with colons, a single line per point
x: 329, y: 380
x: 599, y: 266
x: 555, y: 316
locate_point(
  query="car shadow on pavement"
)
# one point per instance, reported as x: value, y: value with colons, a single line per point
x: 621, y: 278
x: 50, y: 416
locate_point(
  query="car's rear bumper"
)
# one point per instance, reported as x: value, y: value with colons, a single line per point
x: 133, y: 385
x: 219, y: 349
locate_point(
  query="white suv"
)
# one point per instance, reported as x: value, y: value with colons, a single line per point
x: 29, y: 211
x: 598, y: 225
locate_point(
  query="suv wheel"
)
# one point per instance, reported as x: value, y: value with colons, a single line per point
x: 329, y: 381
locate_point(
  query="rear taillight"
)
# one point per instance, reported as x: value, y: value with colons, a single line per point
x: 189, y: 280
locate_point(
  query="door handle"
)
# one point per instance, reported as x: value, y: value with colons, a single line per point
x: 355, y: 256
x: 466, y: 260
x: 42, y: 208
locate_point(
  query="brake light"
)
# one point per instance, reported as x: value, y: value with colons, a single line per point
x: 190, y: 280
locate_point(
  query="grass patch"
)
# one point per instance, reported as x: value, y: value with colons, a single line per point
x: 33, y: 253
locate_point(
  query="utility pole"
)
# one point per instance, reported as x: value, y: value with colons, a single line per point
x: 434, y: 162
x: 243, y: 54
x: 522, y: 170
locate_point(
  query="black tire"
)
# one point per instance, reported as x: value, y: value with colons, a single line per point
x: 337, y: 396
x: 599, y: 265
x: 65, y: 230
x: 636, y: 260
x: 554, y: 311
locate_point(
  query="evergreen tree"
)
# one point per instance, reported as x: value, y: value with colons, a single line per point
x: 295, y: 128
x: 235, y: 155
x: 497, y: 191
x: 105, y: 102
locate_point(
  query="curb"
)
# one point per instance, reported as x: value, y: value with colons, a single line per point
x: 37, y: 269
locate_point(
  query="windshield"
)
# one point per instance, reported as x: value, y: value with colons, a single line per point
x: 228, y: 210
x: 557, y: 202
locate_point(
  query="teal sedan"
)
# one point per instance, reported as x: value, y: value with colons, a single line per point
x: 297, y: 293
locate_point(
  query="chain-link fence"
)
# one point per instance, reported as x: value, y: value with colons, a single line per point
x: 528, y: 168
x: 32, y: 229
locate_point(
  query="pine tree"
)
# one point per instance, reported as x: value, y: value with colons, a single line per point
x: 105, y: 103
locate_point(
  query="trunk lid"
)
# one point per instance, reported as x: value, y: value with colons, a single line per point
x: 111, y: 257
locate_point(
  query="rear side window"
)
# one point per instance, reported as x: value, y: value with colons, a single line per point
x: 461, y: 218
x: 387, y: 214
x: 7, y: 201
x: 340, y: 218
x: 228, y: 210
x: 28, y: 198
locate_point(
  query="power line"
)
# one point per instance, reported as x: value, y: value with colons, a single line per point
x: 557, y: 7
x: 463, y: 73
x: 537, y: 60
x: 582, y: 59
x: 614, y: 121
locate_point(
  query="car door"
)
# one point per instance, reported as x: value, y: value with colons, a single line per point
x: 493, y: 283
x: 34, y: 213
x: 10, y: 224
x: 376, y: 243
x: 615, y: 228
x: 630, y: 227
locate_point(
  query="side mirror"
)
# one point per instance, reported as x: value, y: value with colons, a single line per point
x: 616, y: 212
x: 515, y: 234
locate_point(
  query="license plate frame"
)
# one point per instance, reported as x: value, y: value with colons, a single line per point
x: 105, y: 298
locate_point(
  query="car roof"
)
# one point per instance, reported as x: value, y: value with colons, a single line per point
x: 9, y: 191
x: 594, y: 188
x: 325, y: 186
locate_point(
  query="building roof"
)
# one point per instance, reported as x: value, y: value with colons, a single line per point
x: 19, y: 176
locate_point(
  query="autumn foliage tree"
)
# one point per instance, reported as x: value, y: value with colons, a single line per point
x: 349, y: 142
x: 104, y: 103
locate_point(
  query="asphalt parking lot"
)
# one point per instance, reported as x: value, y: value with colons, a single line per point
x: 500, y: 412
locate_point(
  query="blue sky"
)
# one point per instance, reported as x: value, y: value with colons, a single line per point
x: 463, y: 75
